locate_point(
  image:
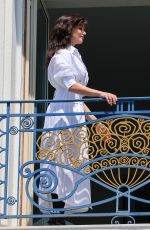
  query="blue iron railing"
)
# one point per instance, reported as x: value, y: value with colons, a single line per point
x: 119, y: 168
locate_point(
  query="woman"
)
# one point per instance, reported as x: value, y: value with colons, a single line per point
x: 68, y: 75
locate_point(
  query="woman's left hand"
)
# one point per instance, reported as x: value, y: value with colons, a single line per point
x: 110, y: 98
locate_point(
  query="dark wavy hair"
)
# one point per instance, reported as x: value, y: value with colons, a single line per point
x: 60, y: 35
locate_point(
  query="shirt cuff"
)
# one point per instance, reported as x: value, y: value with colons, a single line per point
x: 69, y: 82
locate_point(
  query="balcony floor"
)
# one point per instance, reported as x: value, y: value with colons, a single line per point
x: 81, y: 227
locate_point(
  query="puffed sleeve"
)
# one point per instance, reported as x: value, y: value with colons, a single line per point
x: 61, y: 70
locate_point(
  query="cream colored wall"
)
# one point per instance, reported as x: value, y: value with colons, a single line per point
x: 11, y: 78
x: 11, y: 50
x: 17, y: 82
x: 29, y: 94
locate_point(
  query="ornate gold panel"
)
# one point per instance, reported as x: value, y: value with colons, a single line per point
x: 116, y: 158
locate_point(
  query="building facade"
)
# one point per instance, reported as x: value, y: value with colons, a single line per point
x: 24, y: 31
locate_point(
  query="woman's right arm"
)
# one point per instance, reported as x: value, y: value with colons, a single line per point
x: 86, y: 91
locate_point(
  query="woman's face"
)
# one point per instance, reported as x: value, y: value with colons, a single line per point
x: 77, y: 35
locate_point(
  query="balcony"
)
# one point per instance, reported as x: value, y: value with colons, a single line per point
x: 117, y: 170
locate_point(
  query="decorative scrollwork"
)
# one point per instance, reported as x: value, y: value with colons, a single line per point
x: 143, y: 162
x: 125, y: 127
x: 145, y: 126
x: 45, y: 182
x: 11, y: 200
x: 87, y: 169
x: 95, y: 166
x: 124, y: 160
x: 2, y: 165
x: 114, y: 161
x: 2, y: 133
x: 105, y: 163
x: 13, y: 130
x: 2, y: 149
x: 138, y: 143
x: 134, y: 161
x: 27, y: 123
x: 123, y: 220
x: 130, y: 137
x: 68, y: 147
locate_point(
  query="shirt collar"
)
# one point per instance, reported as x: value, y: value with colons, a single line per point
x: 71, y: 48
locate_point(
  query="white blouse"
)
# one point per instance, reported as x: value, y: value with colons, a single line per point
x: 65, y: 69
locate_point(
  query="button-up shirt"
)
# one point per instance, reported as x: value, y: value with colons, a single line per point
x: 65, y: 69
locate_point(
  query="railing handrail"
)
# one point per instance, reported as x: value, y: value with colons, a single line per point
x: 83, y: 99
